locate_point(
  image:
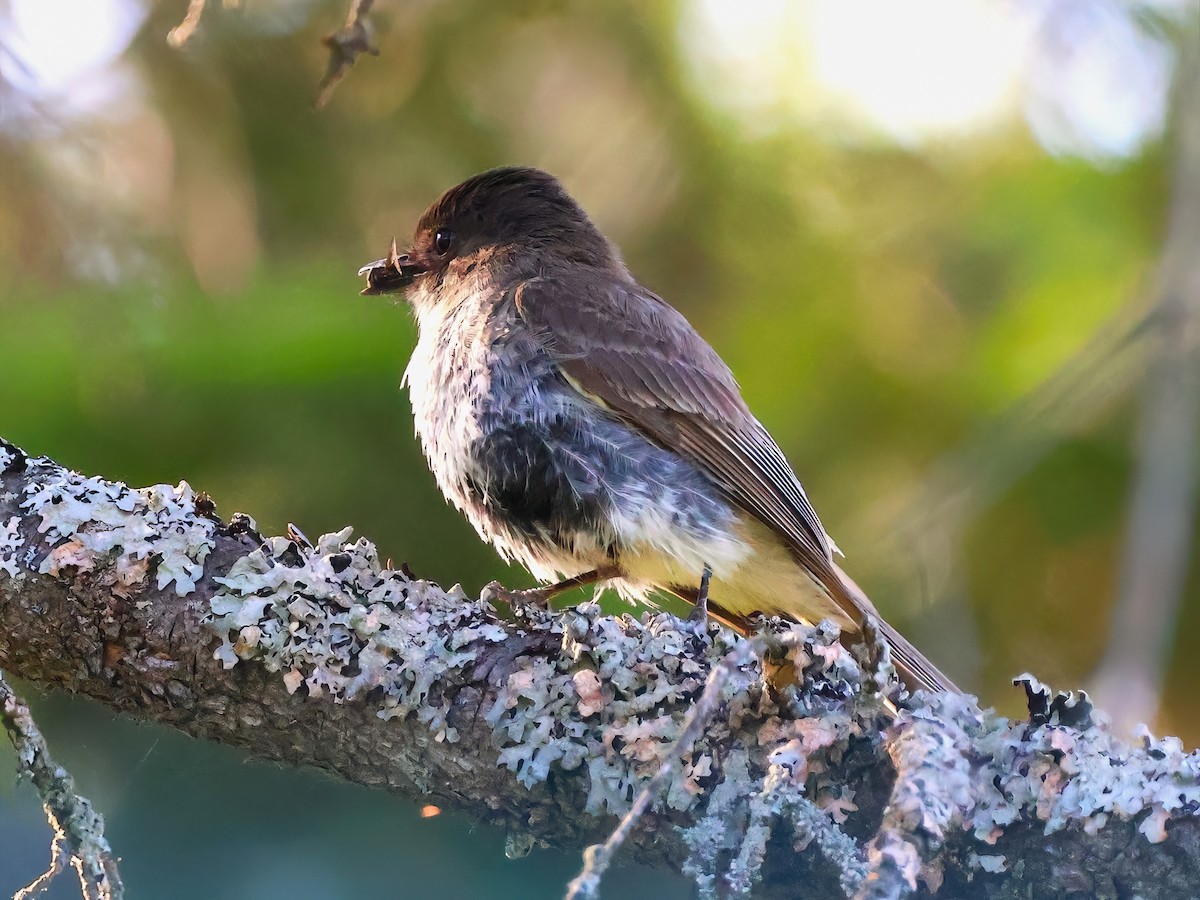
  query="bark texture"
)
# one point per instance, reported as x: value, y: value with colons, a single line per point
x: 803, y: 783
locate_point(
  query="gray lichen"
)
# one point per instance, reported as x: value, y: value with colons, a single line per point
x: 335, y: 623
x: 934, y: 789
x: 89, y: 520
x: 650, y: 671
x: 1071, y: 770
x: 615, y: 698
x: 78, y: 828
x: 11, y: 542
x: 961, y: 769
x: 612, y: 703
x: 603, y: 700
x: 8, y: 456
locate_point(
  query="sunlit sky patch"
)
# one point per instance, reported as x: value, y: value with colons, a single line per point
x: 917, y: 68
x: 1099, y: 85
x: 65, y: 49
x: 1089, y: 80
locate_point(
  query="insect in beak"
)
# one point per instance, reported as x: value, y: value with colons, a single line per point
x: 394, y: 272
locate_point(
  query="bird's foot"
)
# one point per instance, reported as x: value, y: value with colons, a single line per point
x: 699, y: 613
x: 295, y: 534
x: 536, y: 598
x: 540, y: 597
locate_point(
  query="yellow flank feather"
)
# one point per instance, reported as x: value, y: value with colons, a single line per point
x: 753, y: 573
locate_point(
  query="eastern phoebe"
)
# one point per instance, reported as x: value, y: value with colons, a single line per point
x: 585, y: 428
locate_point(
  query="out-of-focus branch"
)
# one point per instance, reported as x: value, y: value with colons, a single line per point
x: 78, y: 828
x: 1155, y: 562
x: 969, y: 478
x: 345, y: 45
x: 355, y: 37
x: 553, y: 724
x: 181, y: 33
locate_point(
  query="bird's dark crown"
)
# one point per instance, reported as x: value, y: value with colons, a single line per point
x: 518, y: 207
x: 521, y: 219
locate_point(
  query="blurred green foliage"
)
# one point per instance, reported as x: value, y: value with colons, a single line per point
x: 178, y: 300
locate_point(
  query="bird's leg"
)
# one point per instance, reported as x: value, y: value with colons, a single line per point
x: 699, y: 613
x: 541, y: 596
x: 733, y: 621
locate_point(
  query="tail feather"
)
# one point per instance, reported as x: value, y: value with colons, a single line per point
x: 916, y: 671
x: 914, y: 668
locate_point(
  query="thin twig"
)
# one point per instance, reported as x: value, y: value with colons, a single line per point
x: 179, y: 35
x: 597, y: 857
x: 355, y: 37
x: 41, y: 884
x: 1056, y: 831
x: 78, y: 828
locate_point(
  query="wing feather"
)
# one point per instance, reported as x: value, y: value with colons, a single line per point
x: 640, y: 356
x: 642, y: 359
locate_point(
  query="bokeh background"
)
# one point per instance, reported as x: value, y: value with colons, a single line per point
x: 927, y: 236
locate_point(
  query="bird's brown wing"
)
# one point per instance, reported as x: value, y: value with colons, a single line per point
x: 642, y: 359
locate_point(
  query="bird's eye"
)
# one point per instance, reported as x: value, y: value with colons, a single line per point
x: 443, y: 242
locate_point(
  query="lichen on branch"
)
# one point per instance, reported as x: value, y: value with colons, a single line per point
x: 78, y: 829
x: 551, y: 724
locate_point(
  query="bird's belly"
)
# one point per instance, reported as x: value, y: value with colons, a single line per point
x: 557, y: 483
x: 753, y: 572
x: 577, y: 490
x: 563, y: 488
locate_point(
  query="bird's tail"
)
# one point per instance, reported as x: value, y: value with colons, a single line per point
x: 915, y: 669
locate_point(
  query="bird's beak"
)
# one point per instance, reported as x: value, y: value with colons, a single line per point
x: 394, y: 272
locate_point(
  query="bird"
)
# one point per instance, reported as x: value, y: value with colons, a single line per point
x: 586, y: 429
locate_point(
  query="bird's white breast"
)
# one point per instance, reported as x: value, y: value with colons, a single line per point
x: 447, y: 378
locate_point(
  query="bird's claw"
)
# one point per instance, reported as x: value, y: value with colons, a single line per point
x: 295, y: 534
x: 538, y: 598
x: 699, y: 613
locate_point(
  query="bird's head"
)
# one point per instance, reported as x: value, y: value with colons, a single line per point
x: 502, y: 225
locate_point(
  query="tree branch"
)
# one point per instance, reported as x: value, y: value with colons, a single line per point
x: 345, y: 45
x: 182, y: 33
x: 552, y: 724
x: 78, y: 828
